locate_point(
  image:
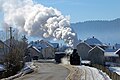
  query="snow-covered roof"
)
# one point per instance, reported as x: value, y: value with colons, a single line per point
x: 97, y: 47
x: 38, y: 45
x: 29, y: 45
x: 115, y: 69
x: 117, y: 51
x: 36, y: 49
x: 94, y: 41
x: 110, y: 54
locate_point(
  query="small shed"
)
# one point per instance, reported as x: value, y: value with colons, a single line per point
x: 96, y: 55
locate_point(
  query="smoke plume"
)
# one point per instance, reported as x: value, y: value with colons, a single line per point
x: 37, y: 20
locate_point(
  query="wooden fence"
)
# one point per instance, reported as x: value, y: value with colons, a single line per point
x: 112, y: 75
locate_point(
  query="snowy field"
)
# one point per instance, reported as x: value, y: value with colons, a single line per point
x: 90, y: 73
x: 29, y: 67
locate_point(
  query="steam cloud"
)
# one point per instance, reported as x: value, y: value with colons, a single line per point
x: 37, y: 20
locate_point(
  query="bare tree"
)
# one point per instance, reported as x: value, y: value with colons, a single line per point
x: 14, y: 60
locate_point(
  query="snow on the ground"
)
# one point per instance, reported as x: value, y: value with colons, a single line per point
x: 29, y: 67
x: 85, y: 62
x: 106, y: 77
x: 90, y: 73
x: 2, y: 67
x: 115, y: 69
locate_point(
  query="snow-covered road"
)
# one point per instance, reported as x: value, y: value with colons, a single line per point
x: 86, y: 73
x: 51, y: 71
x: 90, y: 73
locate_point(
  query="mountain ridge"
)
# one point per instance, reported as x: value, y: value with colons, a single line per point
x: 97, y: 20
x: 106, y: 30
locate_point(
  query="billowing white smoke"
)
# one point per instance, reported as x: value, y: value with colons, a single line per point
x: 37, y: 20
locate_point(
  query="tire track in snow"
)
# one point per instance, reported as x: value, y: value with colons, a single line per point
x: 86, y: 74
x: 91, y: 73
x: 82, y: 74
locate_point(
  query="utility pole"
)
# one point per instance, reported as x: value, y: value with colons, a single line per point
x: 10, y: 37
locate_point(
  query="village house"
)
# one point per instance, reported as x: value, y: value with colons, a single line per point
x: 34, y: 53
x: 112, y: 57
x: 83, y: 49
x: 43, y: 48
x: 96, y: 55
